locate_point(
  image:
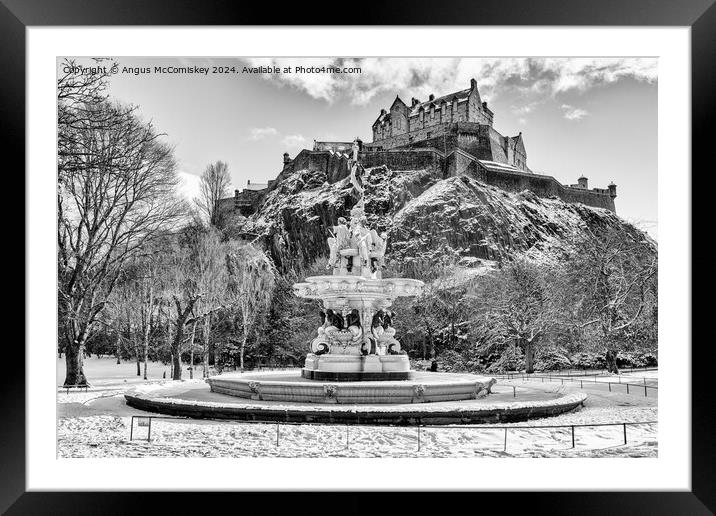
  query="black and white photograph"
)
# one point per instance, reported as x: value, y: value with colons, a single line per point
x: 344, y: 257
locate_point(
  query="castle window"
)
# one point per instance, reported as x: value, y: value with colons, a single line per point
x: 429, y: 134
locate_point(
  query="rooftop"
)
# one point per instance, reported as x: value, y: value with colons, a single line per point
x: 458, y: 95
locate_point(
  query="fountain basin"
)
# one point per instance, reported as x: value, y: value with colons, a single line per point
x: 321, y: 287
x: 420, y: 388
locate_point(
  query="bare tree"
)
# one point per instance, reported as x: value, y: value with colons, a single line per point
x: 251, y: 283
x: 183, y: 291
x: 521, y: 302
x: 613, y: 275
x: 116, y: 191
x: 211, y: 278
x: 214, y: 186
x: 196, y: 282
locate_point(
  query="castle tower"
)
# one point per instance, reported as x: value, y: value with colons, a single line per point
x: 612, y: 190
x: 583, y: 182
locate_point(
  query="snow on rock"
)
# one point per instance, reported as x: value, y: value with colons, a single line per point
x: 426, y: 215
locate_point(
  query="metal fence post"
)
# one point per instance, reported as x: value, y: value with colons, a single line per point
x: 505, y: 448
x: 627, y: 388
x: 149, y: 430
x: 572, y: 436
x: 514, y: 391
x: 610, y: 386
x: 418, y: 438
x: 645, y: 394
x: 131, y: 429
x: 277, y: 433
x: 625, y: 439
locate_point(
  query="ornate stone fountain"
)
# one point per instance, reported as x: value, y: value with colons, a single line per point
x: 356, y: 340
x: 355, y: 361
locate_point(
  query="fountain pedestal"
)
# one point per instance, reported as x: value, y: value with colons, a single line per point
x: 351, y: 368
x: 357, y: 340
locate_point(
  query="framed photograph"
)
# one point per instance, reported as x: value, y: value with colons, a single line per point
x: 414, y: 253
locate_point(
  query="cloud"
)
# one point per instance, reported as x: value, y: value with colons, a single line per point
x: 294, y: 140
x: 573, y: 113
x: 188, y: 185
x: 534, y: 78
x: 259, y: 133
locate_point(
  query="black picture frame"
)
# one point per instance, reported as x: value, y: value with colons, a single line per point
x: 699, y: 15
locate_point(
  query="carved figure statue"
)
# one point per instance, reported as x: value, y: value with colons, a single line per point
x: 377, y: 331
x: 379, y: 243
x: 335, y: 319
x: 340, y: 240
x: 362, y: 241
x: 321, y: 344
x: 387, y: 337
x: 357, y: 178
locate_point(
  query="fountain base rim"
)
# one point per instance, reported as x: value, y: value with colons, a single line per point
x: 355, y: 376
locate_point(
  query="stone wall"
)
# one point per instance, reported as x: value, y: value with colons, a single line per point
x: 541, y: 185
x: 407, y: 159
x: 346, y: 147
x: 429, y: 155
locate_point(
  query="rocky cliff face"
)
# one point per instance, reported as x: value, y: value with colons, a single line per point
x: 427, y: 217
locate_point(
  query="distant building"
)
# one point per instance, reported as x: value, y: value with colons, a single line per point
x: 457, y: 120
x: 247, y: 200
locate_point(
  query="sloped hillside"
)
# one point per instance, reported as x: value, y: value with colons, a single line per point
x: 426, y: 216
x: 468, y: 219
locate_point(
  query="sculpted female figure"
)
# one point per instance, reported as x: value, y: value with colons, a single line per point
x: 340, y: 240
x: 362, y: 241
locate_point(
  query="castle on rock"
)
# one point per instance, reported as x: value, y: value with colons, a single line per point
x: 452, y: 134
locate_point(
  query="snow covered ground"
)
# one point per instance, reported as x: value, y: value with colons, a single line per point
x: 97, y: 424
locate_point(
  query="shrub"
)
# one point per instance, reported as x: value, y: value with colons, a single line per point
x: 588, y: 360
x: 636, y: 359
x: 551, y: 359
x: 511, y: 359
x: 452, y: 361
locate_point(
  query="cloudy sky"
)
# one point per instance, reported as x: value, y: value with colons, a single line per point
x: 591, y: 116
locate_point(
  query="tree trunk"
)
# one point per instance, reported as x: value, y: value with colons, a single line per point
x: 176, y: 350
x: 611, y: 359
x: 73, y: 360
x: 146, y: 356
x: 191, y: 350
x: 118, y: 346
x: 148, y: 327
x: 241, y: 351
x: 529, y: 357
x: 205, y: 349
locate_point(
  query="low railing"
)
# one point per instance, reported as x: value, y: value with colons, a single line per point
x: 146, y: 421
x: 562, y: 379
